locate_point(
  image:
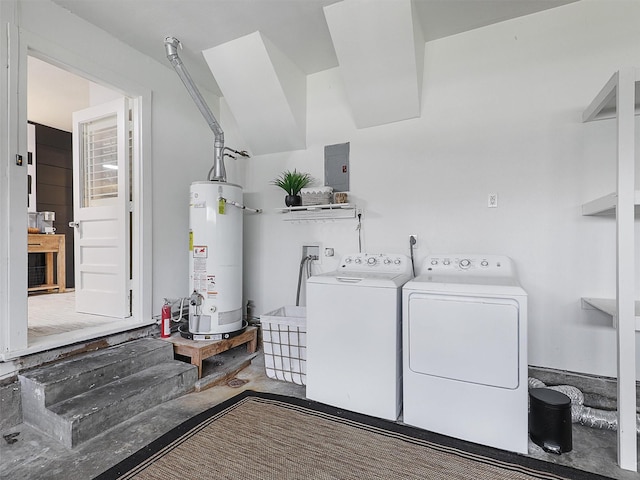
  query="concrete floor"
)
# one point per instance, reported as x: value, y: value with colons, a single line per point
x: 35, y: 456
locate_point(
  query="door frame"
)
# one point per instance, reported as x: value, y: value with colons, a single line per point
x: 13, y: 244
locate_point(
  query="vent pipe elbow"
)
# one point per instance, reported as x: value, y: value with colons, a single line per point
x: 171, y: 45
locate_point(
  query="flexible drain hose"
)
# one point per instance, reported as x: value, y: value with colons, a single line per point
x: 580, y: 413
x: 302, y: 263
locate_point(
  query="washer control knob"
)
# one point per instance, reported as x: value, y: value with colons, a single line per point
x: 446, y: 262
x: 484, y: 263
x: 397, y: 261
x: 358, y: 260
x: 465, y: 263
x: 348, y: 260
x: 434, y: 262
x: 372, y: 260
x: 387, y: 261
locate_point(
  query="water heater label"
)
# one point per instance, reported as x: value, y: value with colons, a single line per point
x: 199, y: 252
x: 211, y: 286
x: 200, y: 268
x: 199, y: 282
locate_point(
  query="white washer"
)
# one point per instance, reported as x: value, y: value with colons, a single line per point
x: 354, y: 339
x: 465, y: 351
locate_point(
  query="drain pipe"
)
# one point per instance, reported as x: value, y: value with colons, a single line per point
x: 171, y: 45
x: 580, y: 413
x: 304, y: 260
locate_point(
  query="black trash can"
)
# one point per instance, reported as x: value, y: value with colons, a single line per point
x: 550, y: 420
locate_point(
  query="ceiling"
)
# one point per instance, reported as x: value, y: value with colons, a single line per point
x: 297, y: 27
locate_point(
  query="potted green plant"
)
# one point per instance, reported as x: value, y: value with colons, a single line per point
x: 292, y: 183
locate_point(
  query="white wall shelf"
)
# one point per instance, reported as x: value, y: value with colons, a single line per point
x: 604, y: 105
x: 607, y: 205
x: 330, y: 211
x: 620, y: 99
x: 608, y: 306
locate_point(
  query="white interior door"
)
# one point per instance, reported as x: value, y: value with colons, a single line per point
x: 101, y: 209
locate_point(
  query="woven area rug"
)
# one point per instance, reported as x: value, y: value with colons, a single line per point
x: 260, y: 436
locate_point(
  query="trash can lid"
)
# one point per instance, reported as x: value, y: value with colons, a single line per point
x: 550, y: 397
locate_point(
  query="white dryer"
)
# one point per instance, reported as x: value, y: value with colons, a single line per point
x: 354, y: 340
x: 465, y: 350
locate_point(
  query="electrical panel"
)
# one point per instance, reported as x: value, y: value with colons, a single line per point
x: 336, y: 167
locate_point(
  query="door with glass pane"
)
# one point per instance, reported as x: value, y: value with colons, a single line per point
x: 101, y: 209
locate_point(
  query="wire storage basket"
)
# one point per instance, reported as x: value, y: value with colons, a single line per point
x: 284, y: 339
x: 36, y: 275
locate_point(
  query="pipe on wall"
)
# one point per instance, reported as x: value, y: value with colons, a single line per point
x: 218, y: 172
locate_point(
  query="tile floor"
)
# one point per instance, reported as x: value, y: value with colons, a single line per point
x: 54, y: 313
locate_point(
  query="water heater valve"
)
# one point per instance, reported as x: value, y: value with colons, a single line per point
x: 195, y: 300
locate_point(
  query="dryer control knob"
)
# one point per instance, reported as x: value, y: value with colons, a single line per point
x: 348, y: 260
x: 358, y: 260
x: 372, y: 260
x: 465, y: 263
x: 446, y: 262
x: 484, y: 263
x: 434, y: 262
x: 397, y: 261
x: 387, y: 261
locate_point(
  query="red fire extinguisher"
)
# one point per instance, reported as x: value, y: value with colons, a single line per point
x: 165, y: 323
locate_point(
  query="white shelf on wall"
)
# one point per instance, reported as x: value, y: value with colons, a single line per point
x: 607, y: 205
x: 608, y: 306
x: 619, y: 99
x: 604, y: 105
x: 330, y: 211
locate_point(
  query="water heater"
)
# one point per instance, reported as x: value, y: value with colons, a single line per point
x: 215, y: 258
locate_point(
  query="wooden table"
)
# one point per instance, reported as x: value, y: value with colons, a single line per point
x: 198, y: 350
x: 50, y: 244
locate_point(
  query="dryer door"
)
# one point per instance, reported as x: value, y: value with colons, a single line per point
x: 469, y: 339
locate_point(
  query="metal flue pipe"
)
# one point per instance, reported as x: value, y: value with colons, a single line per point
x: 219, y: 174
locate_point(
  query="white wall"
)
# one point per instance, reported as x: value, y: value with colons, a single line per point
x: 181, y: 144
x: 501, y: 112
